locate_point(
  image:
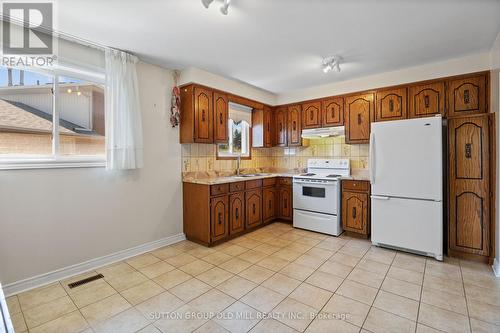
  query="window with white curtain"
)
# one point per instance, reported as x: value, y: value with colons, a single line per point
x: 239, y: 125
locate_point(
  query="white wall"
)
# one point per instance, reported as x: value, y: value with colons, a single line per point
x: 53, y: 218
x: 495, y: 105
x: 469, y: 64
x: 191, y: 74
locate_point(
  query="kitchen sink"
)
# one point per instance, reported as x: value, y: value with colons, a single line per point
x: 252, y: 175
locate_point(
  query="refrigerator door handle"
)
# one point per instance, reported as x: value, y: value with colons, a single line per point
x: 372, y: 158
x: 379, y: 197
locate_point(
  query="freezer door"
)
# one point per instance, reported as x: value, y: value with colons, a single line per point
x: 415, y: 225
x: 406, y: 158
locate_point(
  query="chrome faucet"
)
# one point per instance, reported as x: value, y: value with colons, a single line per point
x: 238, y: 160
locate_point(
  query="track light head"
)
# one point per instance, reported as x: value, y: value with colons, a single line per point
x: 225, y: 7
x: 331, y: 64
x: 206, y: 3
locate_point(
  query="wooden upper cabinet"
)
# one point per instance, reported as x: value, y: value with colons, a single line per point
x: 426, y: 100
x: 221, y: 110
x: 332, y: 112
x: 294, y: 125
x: 358, y: 115
x: 467, y: 96
x: 469, y: 185
x: 391, y: 104
x: 219, y: 218
x: 281, y: 126
x: 203, y: 115
x: 268, y: 127
x: 237, y: 213
x: 311, y: 115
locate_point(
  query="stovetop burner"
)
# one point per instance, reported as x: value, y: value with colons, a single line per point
x: 307, y: 174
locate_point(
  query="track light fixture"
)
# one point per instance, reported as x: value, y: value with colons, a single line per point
x: 223, y: 9
x: 331, y: 64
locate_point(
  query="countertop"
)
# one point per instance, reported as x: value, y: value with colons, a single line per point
x: 213, y: 180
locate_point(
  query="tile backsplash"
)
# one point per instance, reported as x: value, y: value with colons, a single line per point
x: 202, y: 157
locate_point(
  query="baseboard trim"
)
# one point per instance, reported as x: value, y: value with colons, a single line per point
x: 65, y: 272
x: 496, y: 267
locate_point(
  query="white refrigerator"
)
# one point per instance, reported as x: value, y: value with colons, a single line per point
x: 406, y: 175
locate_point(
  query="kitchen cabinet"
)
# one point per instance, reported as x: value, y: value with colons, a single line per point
x: 269, y: 199
x: 221, y: 114
x: 219, y: 217
x: 204, y: 115
x: 253, y: 203
x: 332, y: 112
x: 391, y: 104
x: 358, y: 116
x: 263, y: 127
x: 426, y: 100
x: 237, y: 213
x: 285, y: 195
x: 470, y: 195
x: 467, y: 95
x: 356, y: 208
x: 294, y: 125
x: 311, y: 115
x: 281, y: 119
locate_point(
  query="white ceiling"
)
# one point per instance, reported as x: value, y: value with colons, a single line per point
x: 278, y: 45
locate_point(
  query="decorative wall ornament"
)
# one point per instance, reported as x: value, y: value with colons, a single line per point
x: 175, y: 116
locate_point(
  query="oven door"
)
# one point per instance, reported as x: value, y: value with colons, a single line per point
x: 315, y: 196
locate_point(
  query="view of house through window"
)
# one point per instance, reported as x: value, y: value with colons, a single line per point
x: 239, y: 123
x: 27, y: 113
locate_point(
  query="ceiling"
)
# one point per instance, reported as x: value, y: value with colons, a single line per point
x: 278, y: 45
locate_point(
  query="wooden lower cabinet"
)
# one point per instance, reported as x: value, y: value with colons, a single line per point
x: 253, y: 203
x: 356, y: 207
x: 470, y: 195
x: 237, y: 213
x: 285, y: 201
x: 219, y: 207
x: 269, y: 199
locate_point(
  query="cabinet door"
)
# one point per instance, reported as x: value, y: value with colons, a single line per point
x: 219, y: 218
x: 358, y: 115
x: 269, y: 203
x: 355, y: 212
x: 203, y: 115
x: 469, y: 196
x: 311, y: 115
x: 391, y: 104
x: 285, y: 198
x: 332, y: 111
x: 237, y: 213
x: 268, y: 127
x: 426, y: 100
x: 220, y: 121
x: 294, y: 125
x: 253, y: 204
x: 467, y: 96
x: 281, y: 126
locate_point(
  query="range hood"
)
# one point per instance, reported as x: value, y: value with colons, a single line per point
x: 318, y: 133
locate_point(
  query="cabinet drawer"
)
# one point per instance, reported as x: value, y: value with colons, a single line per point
x: 285, y: 181
x: 250, y: 184
x: 356, y: 185
x: 235, y: 187
x: 268, y: 182
x: 219, y: 189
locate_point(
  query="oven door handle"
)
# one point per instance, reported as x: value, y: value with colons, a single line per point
x: 335, y: 182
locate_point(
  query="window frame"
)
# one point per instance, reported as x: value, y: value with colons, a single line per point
x: 55, y: 160
x: 235, y: 157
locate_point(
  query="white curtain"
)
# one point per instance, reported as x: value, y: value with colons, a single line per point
x: 123, y: 115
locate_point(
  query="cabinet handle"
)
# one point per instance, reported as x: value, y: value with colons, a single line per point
x: 391, y: 105
x: 466, y: 96
x: 312, y: 115
x: 426, y: 101
x: 359, y: 118
x: 237, y: 214
x: 202, y: 115
x: 281, y: 127
x: 333, y: 113
x: 468, y: 150
x: 353, y: 212
x: 220, y: 118
x: 220, y: 218
x: 268, y: 128
x: 294, y: 125
x: 270, y: 204
x: 285, y: 203
x: 253, y: 209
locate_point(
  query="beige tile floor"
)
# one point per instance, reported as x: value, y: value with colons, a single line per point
x: 303, y: 281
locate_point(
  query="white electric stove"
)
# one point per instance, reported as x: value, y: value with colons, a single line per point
x: 316, y: 195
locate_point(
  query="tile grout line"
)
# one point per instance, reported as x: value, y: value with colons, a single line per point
x: 465, y: 296
x: 421, y: 292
